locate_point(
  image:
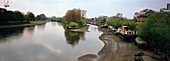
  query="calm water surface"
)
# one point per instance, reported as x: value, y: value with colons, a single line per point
x: 47, y: 42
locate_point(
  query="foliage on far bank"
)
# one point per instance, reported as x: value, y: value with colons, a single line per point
x: 59, y: 19
x: 155, y: 31
x: 7, y: 15
x: 77, y: 16
x: 119, y: 22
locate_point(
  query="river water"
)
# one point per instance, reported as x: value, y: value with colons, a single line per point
x: 47, y: 42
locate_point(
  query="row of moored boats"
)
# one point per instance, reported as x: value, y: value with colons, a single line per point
x: 126, y: 34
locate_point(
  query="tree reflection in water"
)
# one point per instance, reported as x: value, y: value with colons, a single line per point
x: 73, y: 38
x: 8, y: 33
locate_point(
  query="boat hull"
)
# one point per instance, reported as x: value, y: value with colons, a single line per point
x: 128, y: 37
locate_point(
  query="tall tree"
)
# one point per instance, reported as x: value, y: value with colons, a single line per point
x: 30, y: 16
x: 19, y: 16
x: 3, y: 15
x: 74, y: 16
x: 12, y: 16
x: 41, y: 17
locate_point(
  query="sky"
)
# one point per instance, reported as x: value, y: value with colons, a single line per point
x: 95, y: 8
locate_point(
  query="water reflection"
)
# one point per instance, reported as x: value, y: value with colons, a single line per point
x: 9, y: 32
x: 6, y: 34
x: 47, y: 42
x: 73, y: 38
x: 41, y: 26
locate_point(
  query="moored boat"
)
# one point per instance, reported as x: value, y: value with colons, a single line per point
x: 115, y: 31
x: 139, y: 42
x: 127, y: 34
x: 104, y: 26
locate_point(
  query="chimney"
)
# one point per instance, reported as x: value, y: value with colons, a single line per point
x: 168, y: 6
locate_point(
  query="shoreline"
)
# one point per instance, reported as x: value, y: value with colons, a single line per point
x: 82, y: 29
x: 118, y: 50
x: 23, y: 25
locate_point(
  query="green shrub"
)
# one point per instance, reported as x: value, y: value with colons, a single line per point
x: 82, y: 22
x: 73, y: 24
x: 118, y: 22
x: 155, y: 31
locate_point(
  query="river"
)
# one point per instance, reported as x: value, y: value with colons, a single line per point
x: 48, y: 42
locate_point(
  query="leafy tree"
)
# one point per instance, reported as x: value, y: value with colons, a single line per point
x: 114, y: 22
x: 104, y: 20
x: 53, y: 18
x: 118, y: 22
x: 82, y: 22
x: 41, y: 17
x: 3, y: 15
x: 75, y: 16
x: 12, y: 16
x: 155, y: 31
x: 19, y: 16
x: 130, y: 23
x: 30, y: 16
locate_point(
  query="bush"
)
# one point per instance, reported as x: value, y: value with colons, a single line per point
x: 118, y: 22
x: 114, y: 22
x: 155, y: 31
x: 73, y: 24
x: 82, y: 22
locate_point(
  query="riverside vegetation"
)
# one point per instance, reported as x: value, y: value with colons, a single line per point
x: 8, y: 17
x: 155, y: 31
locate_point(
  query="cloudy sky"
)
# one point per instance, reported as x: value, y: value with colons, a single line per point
x: 94, y: 8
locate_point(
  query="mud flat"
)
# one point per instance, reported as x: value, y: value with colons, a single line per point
x: 116, y: 49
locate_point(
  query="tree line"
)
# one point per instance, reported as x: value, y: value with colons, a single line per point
x: 7, y: 15
x: 119, y: 22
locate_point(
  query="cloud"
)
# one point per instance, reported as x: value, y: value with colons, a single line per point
x: 94, y: 8
x: 48, y: 46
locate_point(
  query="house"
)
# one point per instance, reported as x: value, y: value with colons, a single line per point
x: 166, y: 9
x: 141, y: 16
x: 140, y: 20
x: 100, y: 18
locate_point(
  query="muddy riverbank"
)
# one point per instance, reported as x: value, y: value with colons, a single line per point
x: 116, y: 49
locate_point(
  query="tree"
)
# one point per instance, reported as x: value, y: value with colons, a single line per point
x: 74, y: 16
x: 155, y: 31
x: 82, y: 22
x: 19, y: 16
x: 115, y: 22
x: 41, y: 17
x: 53, y: 18
x: 3, y: 15
x: 30, y: 16
x: 104, y: 20
x: 12, y: 16
x: 83, y: 13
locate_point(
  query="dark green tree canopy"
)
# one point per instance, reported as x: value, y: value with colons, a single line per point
x: 19, y: 16
x: 41, y: 17
x: 30, y: 16
x: 155, y: 30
